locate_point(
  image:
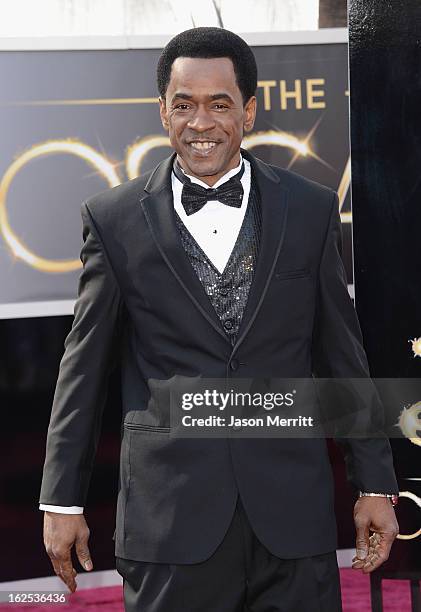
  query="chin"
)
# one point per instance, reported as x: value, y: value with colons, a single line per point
x: 203, y: 168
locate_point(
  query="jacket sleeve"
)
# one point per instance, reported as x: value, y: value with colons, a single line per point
x: 82, y: 381
x: 338, y: 352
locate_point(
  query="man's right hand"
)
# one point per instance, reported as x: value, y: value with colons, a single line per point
x: 61, y: 532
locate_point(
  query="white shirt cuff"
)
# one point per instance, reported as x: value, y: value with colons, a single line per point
x: 62, y: 509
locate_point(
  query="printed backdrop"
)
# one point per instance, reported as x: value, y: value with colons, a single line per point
x: 76, y: 122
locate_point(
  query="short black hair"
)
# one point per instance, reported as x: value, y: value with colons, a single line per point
x: 208, y: 43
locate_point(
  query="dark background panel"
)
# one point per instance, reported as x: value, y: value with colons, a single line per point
x: 385, y: 78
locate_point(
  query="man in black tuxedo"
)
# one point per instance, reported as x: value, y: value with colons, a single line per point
x: 219, y: 265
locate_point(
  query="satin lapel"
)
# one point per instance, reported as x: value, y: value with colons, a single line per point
x: 274, y: 203
x: 159, y: 212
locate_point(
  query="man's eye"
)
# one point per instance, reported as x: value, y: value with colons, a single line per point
x: 182, y: 106
x: 220, y: 106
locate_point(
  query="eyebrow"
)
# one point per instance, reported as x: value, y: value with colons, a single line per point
x: 216, y: 96
x: 222, y: 95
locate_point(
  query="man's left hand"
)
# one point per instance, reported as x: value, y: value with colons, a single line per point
x: 374, y: 514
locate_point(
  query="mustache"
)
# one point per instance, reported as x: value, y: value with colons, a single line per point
x: 197, y: 137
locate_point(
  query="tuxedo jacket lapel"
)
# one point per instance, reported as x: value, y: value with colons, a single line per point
x: 159, y: 211
x: 274, y: 203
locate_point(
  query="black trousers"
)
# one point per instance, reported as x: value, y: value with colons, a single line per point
x: 240, y: 576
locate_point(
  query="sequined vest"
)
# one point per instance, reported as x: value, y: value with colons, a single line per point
x: 228, y: 292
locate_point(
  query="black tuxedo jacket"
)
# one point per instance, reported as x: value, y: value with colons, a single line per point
x: 141, y: 305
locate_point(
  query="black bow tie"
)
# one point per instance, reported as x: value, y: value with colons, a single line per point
x: 194, y: 196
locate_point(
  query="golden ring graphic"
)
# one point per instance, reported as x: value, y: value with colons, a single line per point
x: 279, y: 139
x: 137, y: 152
x: 135, y: 156
x: 417, y: 501
x: 73, y: 147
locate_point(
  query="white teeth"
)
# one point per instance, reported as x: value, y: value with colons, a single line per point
x: 203, y: 146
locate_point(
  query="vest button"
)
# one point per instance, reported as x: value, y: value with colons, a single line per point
x: 223, y: 291
x: 234, y: 363
x: 228, y: 324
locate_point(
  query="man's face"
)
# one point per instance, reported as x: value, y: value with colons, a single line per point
x: 205, y: 117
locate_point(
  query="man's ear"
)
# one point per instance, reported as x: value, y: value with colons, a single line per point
x: 250, y: 114
x: 163, y: 113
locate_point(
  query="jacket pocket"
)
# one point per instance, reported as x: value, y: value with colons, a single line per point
x: 297, y: 273
x: 148, y: 428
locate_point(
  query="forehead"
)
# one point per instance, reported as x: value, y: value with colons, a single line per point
x: 196, y: 74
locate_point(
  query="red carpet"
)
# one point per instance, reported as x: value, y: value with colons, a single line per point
x: 355, y: 595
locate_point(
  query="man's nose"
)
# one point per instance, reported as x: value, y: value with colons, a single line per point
x: 201, y: 121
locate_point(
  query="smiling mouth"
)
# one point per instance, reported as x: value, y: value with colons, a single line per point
x: 203, y: 146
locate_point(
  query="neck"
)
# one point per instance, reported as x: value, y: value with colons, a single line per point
x: 211, y: 179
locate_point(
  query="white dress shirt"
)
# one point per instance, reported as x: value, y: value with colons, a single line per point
x: 215, y: 227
